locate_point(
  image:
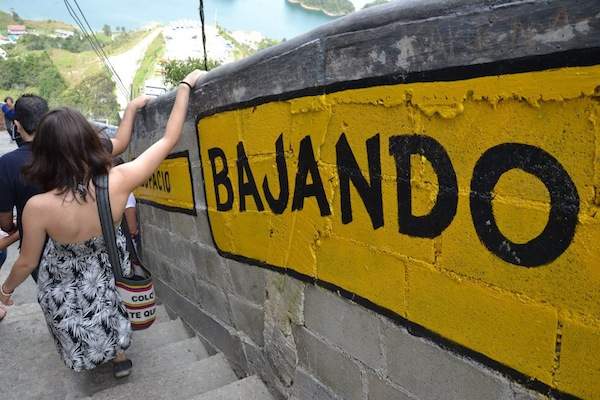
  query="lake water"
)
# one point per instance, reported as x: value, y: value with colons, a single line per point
x: 274, y: 18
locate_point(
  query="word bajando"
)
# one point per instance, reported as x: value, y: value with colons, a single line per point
x: 308, y: 184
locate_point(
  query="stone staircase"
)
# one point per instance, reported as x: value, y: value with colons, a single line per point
x: 169, y: 363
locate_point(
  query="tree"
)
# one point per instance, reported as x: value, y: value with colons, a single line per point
x: 16, y: 17
x: 175, y: 70
x: 94, y: 97
x: 266, y: 43
x: 107, y: 31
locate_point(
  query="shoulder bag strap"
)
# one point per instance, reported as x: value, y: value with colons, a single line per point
x: 133, y: 254
x: 108, y: 227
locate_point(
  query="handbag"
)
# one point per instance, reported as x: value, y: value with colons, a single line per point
x: 137, y: 291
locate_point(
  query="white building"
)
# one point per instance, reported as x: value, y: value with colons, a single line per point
x: 16, y: 30
x: 61, y: 33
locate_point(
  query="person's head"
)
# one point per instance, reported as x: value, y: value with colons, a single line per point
x: 67, y: 153
x: 29, y: 110
x: 9, y: 101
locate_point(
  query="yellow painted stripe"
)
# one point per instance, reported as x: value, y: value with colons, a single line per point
x: 450, y: 283
x: 170, y: 185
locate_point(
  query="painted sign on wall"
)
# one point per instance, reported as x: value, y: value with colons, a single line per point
x: 170, y: 186
x: 469, y: 207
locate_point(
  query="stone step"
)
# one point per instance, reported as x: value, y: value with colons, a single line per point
x: 159, y: 335
x: 25, y: 339
x: 175, y: 384
x: 21, y: 311
x: 28, y: 340
x: 36, y: 317
x: 161, y: 315
x: 56, y: 382
x: 245, y: 389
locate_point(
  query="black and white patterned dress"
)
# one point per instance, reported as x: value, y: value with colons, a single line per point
x: 81, y: 304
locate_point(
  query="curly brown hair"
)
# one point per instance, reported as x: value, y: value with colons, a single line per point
x: 67, y: 153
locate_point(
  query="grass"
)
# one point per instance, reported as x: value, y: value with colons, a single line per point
x: 148, y: 65
x: 123, y: 41
x: 74, y: 67
x: 47, y: 26
x: 240, y: 50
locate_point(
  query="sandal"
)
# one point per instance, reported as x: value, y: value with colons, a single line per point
x: 2, y: 313
x: 122, y: 369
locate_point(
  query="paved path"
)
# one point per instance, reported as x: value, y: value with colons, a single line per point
x: 126, y: 64
x: 27, y: 291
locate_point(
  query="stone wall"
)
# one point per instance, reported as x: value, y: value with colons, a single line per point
x: 335, y: 295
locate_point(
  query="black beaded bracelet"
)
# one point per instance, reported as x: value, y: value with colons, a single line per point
x: 185, y: 83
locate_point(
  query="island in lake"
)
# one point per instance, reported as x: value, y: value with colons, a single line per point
x: 336, y: 8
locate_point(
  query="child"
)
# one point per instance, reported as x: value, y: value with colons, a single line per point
x: 130, y: 213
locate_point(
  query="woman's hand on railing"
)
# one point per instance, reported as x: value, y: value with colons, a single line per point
x: 192, y: 78
x: 140, y: 101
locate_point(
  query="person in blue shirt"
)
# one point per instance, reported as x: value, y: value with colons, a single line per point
x: 8, y: 108
x: 29, y: 110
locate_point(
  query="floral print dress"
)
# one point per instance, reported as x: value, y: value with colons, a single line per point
x: 83, y: 309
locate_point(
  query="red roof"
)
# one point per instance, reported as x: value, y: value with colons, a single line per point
x: 16, y: 28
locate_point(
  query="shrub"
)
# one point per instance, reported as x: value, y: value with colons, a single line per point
x: 175, y: 70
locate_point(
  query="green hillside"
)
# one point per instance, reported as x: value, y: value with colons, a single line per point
x: 64, y: 71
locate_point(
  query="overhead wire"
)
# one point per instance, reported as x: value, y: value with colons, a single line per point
x: 99, y: 45
x: 96, y: 46
x: 201, y: 9
x: 89, y: 34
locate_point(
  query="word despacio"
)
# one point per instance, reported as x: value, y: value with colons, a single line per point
x: 160, y: 180
x: 549, y: 245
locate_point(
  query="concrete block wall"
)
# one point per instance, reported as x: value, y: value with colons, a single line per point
x: 445, y: 318
x: 305, y: 341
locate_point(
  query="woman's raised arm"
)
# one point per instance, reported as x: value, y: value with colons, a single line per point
x: 123, y: 136
x: 132, y: 174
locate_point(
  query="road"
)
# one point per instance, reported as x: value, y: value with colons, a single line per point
x: 126, y: 64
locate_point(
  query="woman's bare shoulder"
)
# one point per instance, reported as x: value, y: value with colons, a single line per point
x: 41, y: 203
